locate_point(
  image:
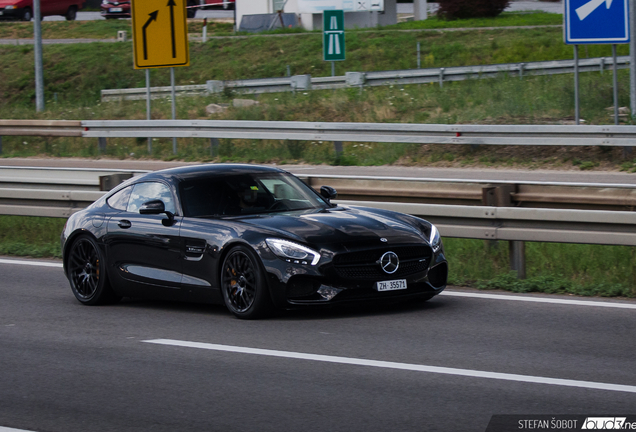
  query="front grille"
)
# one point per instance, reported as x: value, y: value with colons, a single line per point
x: 363, y: 265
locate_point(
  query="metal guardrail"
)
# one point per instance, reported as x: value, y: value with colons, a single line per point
x: 499, y: 219
x: 354, y: 79
x: 59, y: 128
x: 561, y: 135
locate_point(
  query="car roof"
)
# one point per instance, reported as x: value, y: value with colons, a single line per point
x: 198, y: 171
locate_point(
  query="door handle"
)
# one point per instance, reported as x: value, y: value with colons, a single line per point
x: 124, y: 224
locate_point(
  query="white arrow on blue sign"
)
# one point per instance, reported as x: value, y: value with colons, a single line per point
x: 596, y: 21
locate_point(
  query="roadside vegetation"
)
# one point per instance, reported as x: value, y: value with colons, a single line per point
x: 75, y: 74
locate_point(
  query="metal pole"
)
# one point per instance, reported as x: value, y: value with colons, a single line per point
x: 419, y: 63
x: 632, y: 58
x: 39, y: 74
x: 0, y: 144
x: 333, y: 68
x: 148, y: 115
x: 441, y: 77
x: 615, y: 85
x: 214, y: 147
x: 517, y: 251
x: 576, y: 84
x: 204, y: 34
x: 337, y: 146
x: 174, y: 108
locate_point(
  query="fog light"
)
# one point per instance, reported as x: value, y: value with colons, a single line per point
x: 327, y: 292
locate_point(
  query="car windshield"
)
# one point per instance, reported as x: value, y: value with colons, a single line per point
x: 247, y: 194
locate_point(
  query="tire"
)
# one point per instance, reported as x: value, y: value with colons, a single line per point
x: 27, y: 15
x: 243, y: 284
x: 86, y: 271
x: 190, y: 13
x: 71, y: 14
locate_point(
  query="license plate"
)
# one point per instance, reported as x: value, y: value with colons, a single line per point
x: 116, y: 10
x: 398, y: 284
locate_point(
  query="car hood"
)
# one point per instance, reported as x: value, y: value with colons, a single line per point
x: 347, y: 227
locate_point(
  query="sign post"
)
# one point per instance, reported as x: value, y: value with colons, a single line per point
x: 160, y: 39
x: 596, y: 22
x: 333, y: 37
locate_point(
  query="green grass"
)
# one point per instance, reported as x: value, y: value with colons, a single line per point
x: 30, y: 236
x: 506, y: 19
x: 551, y: 267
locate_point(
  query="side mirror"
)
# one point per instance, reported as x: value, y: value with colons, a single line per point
x: 155, y: 207
x: 328, y: 192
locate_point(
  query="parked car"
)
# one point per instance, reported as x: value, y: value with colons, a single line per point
x: 23, y: 9
x: 248, y: 236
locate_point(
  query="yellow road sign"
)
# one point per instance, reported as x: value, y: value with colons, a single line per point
x: 160, y: 33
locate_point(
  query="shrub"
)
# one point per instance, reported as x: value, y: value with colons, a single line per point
x: 454, y: 9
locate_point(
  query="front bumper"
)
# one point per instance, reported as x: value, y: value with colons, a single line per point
x: 296, y: 286
x: 11, y: 14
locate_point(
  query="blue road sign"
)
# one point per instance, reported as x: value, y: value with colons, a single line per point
x: 596, y: 21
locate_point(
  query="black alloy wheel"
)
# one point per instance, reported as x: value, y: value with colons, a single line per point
x: 86, y: 273
x: 243, y: 284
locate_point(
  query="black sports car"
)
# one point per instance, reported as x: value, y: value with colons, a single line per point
x: 252, y: 237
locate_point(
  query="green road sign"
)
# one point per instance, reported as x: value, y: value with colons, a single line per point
x: 333, y: 35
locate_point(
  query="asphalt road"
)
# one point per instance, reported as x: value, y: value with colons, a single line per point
x: 67, y: 367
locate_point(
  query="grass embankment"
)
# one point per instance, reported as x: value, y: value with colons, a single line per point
x: 77, y: 73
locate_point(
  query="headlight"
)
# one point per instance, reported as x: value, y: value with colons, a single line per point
x: 293, y: 252
x: 435, y: 240
x: 10, y: 7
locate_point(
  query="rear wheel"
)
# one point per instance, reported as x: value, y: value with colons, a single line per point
x: 87, y: 273
x: 243, y: 284
x: 71, y: 14
x: 27, y: 15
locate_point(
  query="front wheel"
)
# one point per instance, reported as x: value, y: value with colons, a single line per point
x: 27, y: 15
x: 71, y: 14
x: 87, y: 273
x: 243, y: 284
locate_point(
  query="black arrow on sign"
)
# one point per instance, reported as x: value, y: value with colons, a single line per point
x: 153, y: 17
x: 172, y: 4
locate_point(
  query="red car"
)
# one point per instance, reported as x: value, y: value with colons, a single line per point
x: 23, y: 9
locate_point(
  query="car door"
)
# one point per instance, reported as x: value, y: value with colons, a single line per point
x: 144, y: 249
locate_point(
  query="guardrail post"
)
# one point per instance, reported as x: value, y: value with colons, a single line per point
x: 501, y: 196
x: 602, y: 62
x: 419, y: 63
x: 441, y: 77
x: 101, y: 144
x: 337, y: 145
x: 0, y: 144
x: 521, y: 66
x: 214, y: 147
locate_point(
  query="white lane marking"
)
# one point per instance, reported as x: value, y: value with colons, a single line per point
x: 8, y: 429
x: 539, y: 299
x: 449, y: 293
x: 31, y: 263
x: 401, y: 366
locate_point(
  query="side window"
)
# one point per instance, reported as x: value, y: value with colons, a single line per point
x: 143, y: 192
x: 119, y: 200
